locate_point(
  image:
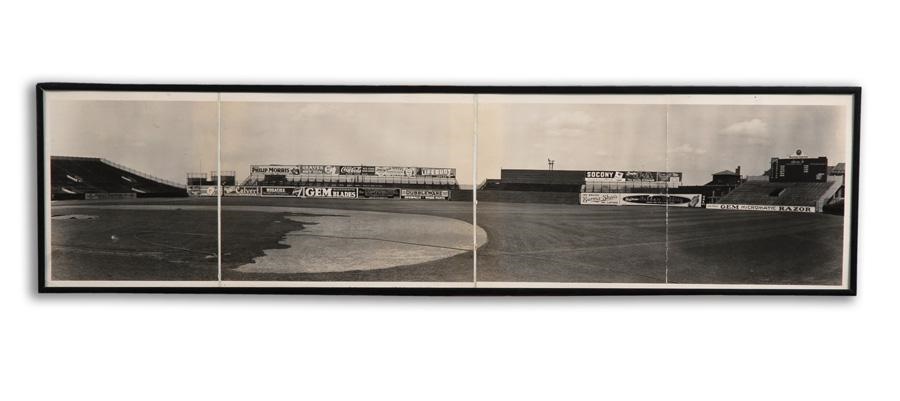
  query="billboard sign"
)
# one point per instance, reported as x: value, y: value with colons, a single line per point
x: 275, y: 170
x: 628, y: 199
x: 623, y: 176
x: 326, y: 192
x: 669, y: 177
x: 109, y: 195
x: 319, y: 169
x: 387, y: 171
x: 762, y: 208
x: 275, y: 191
x: 672, y: 200
x: 437, y: 172
x: 379, y: 193
x: 201, y: 190
x: 195, y: 190
x: 607, y: 176
x: 425, y: 194
x: 356, y: 170
x: 588, y: 198
x: 236, y: 190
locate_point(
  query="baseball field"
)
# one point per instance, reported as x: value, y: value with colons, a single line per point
x: 275, y: 239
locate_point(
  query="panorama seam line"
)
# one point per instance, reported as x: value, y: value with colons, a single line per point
x: 668, y: 106
x: 219, y: 187
x: 475, y: 192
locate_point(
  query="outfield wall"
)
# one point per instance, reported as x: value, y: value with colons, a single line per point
x: 639, y: 199
x: 337, y: 192
x: 762, y: 208
x: 528, y: 197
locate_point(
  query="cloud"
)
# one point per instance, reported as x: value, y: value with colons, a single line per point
x: 688, y: 149
x: 754, y: 132
x: 569, y: 124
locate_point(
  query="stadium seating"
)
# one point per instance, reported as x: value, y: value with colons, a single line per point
x: 316, y: 180
x: 533, y: 187
x: 759, y: 191
x: 552, y: 177
x: 73, y: 177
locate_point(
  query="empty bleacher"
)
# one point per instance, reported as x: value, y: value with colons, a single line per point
x: 74, y: 177
x: 371, y: 181
x: 536, y: 181
x: 759, y: 191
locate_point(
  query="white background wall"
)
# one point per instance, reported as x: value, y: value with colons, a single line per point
x: 305, y: 347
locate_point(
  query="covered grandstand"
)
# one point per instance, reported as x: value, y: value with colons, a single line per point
x: 97, y: 178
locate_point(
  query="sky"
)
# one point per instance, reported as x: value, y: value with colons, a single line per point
x: 168, y: 139
x: 695, y: 139
x: 165, y: 138
x: 576, y: 136
x: 704, y: 139
x: 344, y: 131
x: 168, y: 136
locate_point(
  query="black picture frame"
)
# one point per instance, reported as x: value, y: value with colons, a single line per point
x: 855, y: 92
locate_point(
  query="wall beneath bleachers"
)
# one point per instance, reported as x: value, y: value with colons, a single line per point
x: 528, y: 197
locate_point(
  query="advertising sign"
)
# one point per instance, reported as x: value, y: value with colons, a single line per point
x: 326, y: 192
x: 357, y: 170
x: 195, y: 190
x: 379, y: 193
x: 351, y: 170
x: 201, y: 190
x: 318, y: 169
x: 110, y: 195
x: 669, y: 176
x: 599, y: 199
x: 606, y: 176
x: 762, y: 208
x: 236, y: 190
x: 275, y: 169
x: 386, y: 171
x: 672, y: 200
x: 622, y: 176
x: 438, y: 172
x: 617, y: 199
x: 276, y: 191
x: 425, y: 194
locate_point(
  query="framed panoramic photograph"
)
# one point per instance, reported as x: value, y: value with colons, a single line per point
x: 447, y: 190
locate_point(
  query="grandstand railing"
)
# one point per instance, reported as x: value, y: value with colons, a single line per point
x: 142, y: 174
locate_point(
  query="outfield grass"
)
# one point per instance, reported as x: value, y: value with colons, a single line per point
x: 526, y: 243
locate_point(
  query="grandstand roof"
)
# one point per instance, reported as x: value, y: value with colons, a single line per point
x: 725, y: 172
x: 837, y: 169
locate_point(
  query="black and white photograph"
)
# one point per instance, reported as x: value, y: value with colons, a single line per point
x: 347, y: 189
x: 115, y: 170
x: 454, y: 189
x: 677, y: 190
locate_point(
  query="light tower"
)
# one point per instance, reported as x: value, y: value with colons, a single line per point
x: 550, y: 164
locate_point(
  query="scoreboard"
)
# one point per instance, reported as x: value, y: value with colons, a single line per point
x: 799, y: 169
